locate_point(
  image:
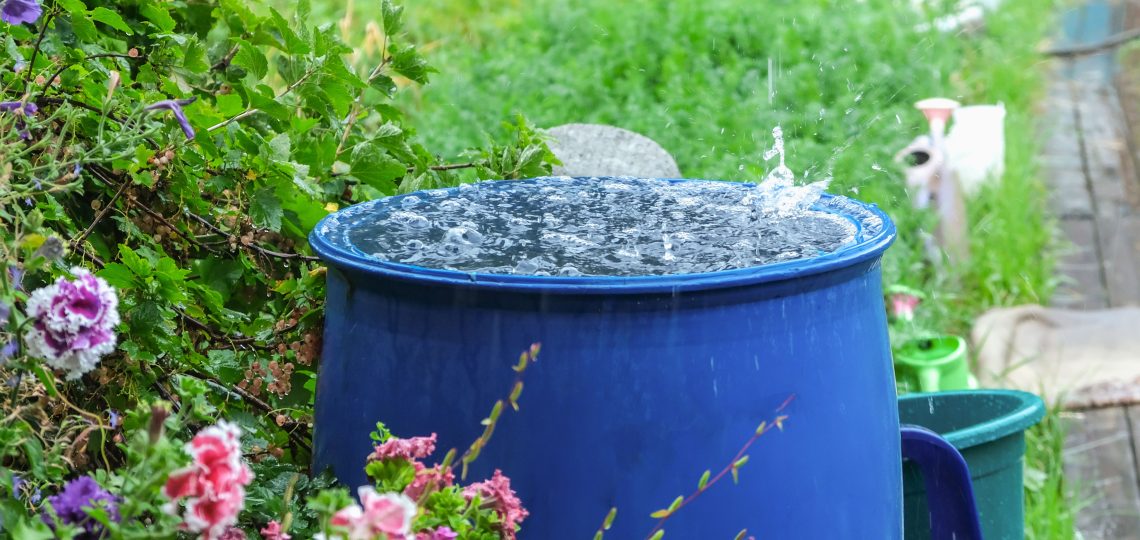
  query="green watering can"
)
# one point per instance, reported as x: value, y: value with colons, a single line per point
x: 934, y: 364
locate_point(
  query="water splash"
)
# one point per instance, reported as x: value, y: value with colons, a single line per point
x: 779, y: 194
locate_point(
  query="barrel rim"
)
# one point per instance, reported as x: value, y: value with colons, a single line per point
x: 863, y: 250
x: 1025, y: 410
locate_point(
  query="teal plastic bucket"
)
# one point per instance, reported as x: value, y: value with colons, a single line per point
x: 988, y: 428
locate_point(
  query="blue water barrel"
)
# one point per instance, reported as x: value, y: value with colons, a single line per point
x: 643, y: 383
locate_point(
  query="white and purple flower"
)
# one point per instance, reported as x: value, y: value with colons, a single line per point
x: 21, y: 11
x: 73, y: 323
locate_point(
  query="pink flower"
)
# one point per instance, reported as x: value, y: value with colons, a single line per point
x: 233, y: 533
x: 497, y: 493
x: 396, y: 448
x: 73, y: 323
x: 390, y: 514
x: 442, y: 533
x: 903, y: 305
x: 428, y: 479
x: 213, y: 484
x: 273, y: 531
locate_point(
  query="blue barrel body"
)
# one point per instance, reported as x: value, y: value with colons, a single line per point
x: 643, y: 384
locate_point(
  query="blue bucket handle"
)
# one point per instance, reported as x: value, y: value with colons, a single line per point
x: 949, y: 490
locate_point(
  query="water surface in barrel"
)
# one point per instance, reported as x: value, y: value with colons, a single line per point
x: 601, y: 227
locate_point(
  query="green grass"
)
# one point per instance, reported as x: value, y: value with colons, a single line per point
x: 708, y: 79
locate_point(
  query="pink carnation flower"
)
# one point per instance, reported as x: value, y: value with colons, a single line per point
x: 390, y: 514
x: 73, y: 323
x: 497, y: 494
x: 442, y: 533
x: 903, y: 305
x: 233, y: 533
x: 272, y: 531
x: 396, y: 448
x: 433, y: 479
x: 213, y: 484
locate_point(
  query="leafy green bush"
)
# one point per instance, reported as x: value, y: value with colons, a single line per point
x: 181, y: 152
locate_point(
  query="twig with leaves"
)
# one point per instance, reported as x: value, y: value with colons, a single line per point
x: 733, y: 468
x: 527, y: 358
x: 707, y: 481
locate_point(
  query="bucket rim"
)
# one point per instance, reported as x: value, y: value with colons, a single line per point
x: 1028, y: 411
x: 862, y: 250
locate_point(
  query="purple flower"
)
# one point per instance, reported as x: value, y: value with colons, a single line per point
x: 8, y: 350
x: 443, y: 533
x: 21, y: 11
x: 20, y: 109
x: 73, y: 323
x: 16, y: 276
x: 70, y: 507
x: 175, y: 106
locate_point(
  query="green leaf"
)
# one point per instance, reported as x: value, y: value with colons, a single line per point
x: 740, y: 535
x: 47, y: 379
x: 609, y: 521
x: 279, y: 147
x: 337, y: 94
x: 140, y: 266
x: 265, y: 209
x: 658, y: 535
x: 252, y: 59
x: 377, y: 169
x: 194, y: 59
x: 112, y: 19
x: 229, y: 105
x: 117, y: 275
x: 73, y: 6
x: 704, y: 481
x: 662, y: 513
x: 676, y: 504
x: 157, y: 14
x: 407, y: 62
x: 392, y: 15
x: 83, y: 27
x: 292, y: 43
x: 384, y: 84
x: 36, y: 531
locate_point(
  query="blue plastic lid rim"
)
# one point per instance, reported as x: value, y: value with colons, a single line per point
x: 863, y: 250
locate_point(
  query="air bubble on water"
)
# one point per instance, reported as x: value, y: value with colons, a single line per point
x: 410, y: 201
x: 410, y: 220
x: 453, y: 205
